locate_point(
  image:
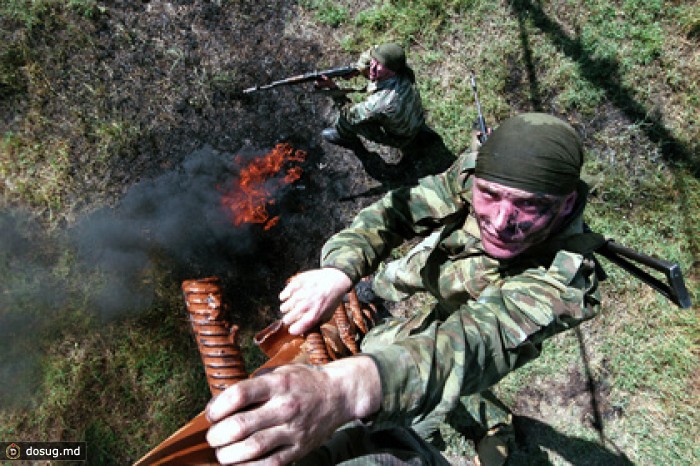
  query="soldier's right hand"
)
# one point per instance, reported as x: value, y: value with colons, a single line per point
x: 311, y: 297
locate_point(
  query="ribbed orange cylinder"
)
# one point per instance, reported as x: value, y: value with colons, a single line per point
x: 346, y: 328
x: 316, y: 348
x: 216, y: 338
x: 356, y: 311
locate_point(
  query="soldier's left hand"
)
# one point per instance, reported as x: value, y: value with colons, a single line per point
x: 325, y: 83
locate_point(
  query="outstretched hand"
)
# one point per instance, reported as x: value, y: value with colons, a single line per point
x: 311, y: 297
x: 280, y: 416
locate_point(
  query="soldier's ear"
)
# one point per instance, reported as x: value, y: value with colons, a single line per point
x: 569, y: 203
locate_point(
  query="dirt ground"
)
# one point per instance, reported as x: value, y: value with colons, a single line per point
x: 175, y: 70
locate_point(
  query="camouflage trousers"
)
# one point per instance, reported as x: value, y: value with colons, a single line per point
x: 371, y: 131
x: 358, y: 445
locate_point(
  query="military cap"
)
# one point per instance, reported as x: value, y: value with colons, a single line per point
x: 390, y: 55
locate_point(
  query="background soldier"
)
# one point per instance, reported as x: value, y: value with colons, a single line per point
x: 506, y: 257
x: 392, y: 114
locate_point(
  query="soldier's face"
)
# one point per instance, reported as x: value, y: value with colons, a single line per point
x: 378, y: 72
x: 512, y: 220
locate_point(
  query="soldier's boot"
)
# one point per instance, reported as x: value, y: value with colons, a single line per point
x: 495, y: 447
x: 333, y: 136
x: 365, y: 293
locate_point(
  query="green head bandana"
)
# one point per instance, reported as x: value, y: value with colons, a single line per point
x: 534, y: 152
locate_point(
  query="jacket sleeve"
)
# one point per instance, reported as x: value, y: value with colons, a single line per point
x: 400, y: 215
x: 430, y: 364
x: 373, y: 108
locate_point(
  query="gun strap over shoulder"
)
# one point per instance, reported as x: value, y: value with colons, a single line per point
x: 580, y: 243
x: 630, y: 260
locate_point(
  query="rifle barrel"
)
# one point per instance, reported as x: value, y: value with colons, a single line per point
x: 480, y: 116
x: 305, y: 77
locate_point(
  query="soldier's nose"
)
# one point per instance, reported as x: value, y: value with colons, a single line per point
x: 503, y: 217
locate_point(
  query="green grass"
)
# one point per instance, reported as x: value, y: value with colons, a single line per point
x: 33, y: 13
x: 328, y: 12
x: 587, y: 59
x: 625, y: 72
x: 31, y: 176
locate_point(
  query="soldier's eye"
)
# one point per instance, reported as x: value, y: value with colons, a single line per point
x: 532, y: 204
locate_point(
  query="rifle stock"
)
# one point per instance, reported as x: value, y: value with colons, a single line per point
x: 305, y: 77
x: 674, y: 289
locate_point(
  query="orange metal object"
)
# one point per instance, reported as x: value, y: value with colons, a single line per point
x: 316, y: 347
x: 356, y: 311
x: 346, y: 328
x: 187, y: 446
x: 224, y: 366
x: 216, y: 337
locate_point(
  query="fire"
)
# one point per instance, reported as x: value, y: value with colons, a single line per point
x: 253, y: 190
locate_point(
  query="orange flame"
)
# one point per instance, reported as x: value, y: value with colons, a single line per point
x: 254, y: 188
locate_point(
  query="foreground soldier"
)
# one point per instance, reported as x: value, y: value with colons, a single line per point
x: 505, y: 257
x: 392, y: 114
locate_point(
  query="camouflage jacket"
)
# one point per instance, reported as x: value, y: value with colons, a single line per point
x: 491, y: 316
x: 393, y: 103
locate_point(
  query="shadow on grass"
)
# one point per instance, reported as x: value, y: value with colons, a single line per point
x: 534, y: 437
x: 605, y: 74
x: 427, y: 156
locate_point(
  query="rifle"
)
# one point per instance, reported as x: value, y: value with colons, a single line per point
x: 624, y: 257
x: 628, y: 259
x: 480, y: 121
x: 306, y: 77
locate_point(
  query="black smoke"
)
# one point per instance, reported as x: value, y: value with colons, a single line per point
x: 104, y: 264
x: 31, y: 289
x: 176, y: 217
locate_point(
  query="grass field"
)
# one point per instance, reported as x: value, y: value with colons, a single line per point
x: 626, y: 73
